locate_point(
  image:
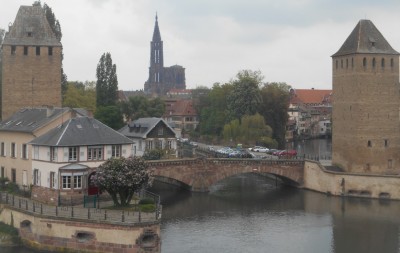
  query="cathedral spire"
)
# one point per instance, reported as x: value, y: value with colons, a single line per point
x: 156, y: 33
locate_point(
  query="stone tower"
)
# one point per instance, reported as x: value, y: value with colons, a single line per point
x: 162, y: 79
x: 31, y: 63
x: 366, y: 123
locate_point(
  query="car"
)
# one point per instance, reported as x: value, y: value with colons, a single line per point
x: 287, y: 153
x: 252, y: 148
x: 194, y: 144
x: 261, y: 149
x: 272, y: 151
x: 277, y: 152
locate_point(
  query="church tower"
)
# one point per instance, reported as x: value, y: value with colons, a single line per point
x: 31, y: 63
x: 156, y: 69
x: 366, y: 104
x: 162, y: 79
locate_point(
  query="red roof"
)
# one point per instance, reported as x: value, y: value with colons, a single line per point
x: 310, y: 96
x: 180, y: 107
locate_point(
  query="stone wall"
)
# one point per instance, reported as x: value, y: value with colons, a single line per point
x: 44, y: 233
x: 317, y: 178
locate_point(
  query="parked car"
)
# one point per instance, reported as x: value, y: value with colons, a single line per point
x: 272, y: 151
x: 261, y: 149
x: 287, y: 153
x: 277, y: 152
x: 252, y: 148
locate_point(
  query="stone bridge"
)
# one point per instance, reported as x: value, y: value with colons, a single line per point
x: 199, y: 174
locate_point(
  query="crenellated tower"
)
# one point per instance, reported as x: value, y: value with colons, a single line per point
x: 366, y: 104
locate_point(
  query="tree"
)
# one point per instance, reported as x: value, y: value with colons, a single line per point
x: 275, y: 109
x: 107, y: 82
x: 139, y: 107
x: 81, y: 95
x: 110, y: 115
x: 245, y: 98
x: 122, y: 177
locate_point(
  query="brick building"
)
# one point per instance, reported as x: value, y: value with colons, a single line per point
x: 31, y: 63
x: 366, y: 123
x: 162, y: 79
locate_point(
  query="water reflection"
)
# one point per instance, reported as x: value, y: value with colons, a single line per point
x: 248, y: 214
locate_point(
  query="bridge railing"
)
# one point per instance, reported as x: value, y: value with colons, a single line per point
x: 80, y: 213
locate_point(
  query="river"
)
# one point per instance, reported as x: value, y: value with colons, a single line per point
x: 248, y: 213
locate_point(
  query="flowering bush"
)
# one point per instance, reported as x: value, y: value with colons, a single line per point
x: 121, y: 177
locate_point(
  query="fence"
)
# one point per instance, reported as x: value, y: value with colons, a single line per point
x: 80, y: 213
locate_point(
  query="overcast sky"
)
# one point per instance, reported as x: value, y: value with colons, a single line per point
x: 287, y: 40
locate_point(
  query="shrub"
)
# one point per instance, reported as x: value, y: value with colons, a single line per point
x: 147, y: 208
x: 146, y: 201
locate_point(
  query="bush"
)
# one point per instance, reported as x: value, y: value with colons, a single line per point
x: 147, y: 208
x: 146, y: 201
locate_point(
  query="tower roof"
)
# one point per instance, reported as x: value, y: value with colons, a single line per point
x: 365, y: 39
x: 31, y: 28
x: 156, y: 33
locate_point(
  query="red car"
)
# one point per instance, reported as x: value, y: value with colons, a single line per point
x: 287, y: 153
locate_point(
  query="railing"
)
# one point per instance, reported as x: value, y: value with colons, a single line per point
x: 80, y: 213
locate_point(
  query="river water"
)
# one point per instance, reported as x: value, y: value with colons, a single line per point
x: 248, y: 213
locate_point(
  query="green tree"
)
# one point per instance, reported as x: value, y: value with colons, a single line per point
x: 245, y: 98
x: 81, y: 95
x: 140, y: 107
x: 110, y: 115
x: 122, y: 177
x: 275, y: 109
x: 107, y: 82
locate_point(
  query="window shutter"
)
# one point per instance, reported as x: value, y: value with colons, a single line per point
x: 65, y: 155
x: 82, y: 156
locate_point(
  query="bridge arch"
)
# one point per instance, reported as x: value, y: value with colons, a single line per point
x: 200, y: 174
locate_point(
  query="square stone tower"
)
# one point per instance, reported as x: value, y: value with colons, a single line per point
x: 31, y: 63
x: 366, y: 104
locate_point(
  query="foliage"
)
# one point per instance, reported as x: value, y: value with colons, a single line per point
x: 250, y: 129
x: 107, y: 82
x: 153, y: 154
x: 142, y: 107
x: 275, y: 109
x: 212, y: 109
x: 11, y: 231
x: 80, y: 95
x: 110, y: 115
x: 147, y: 208
x: 245, y: 98
x: 146, y: 201
x: 122, y: 177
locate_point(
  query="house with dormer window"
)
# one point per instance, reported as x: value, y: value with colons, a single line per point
x: 18, y: 130
x: 65, y: 158
x: 150, y: 133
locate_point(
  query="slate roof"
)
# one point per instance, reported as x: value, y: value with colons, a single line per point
x: 365, y: 39
x: 31, y: 19
x: 82, y: 131
x: 30, y: 119
x: 156, y: 33
x: 145, y: 125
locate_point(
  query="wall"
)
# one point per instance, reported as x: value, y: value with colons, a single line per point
x: 347, y: 184
x: 51, y: 234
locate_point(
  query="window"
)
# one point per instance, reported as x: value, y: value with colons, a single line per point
x: 24, y: 151
x: 95, y: 153
x: 72, y: 154
x: 150, y: 145
x: 29, y: 34
x: 160, y: 131
x: 336, y: 64
x: 2, y: 171
x: 37, y: 50
x: 391, y: 63
x: 169, y: 144
x: 386, y: 143
x: 365, y: 62
x: 369, y: 144
x: 2, y: 149
x: 13, y: 175
x: 373, y: 62
x: 390, y: 164
x: 35, y: 177
x: 25, y: 50
x: 352, y: 63
x: 13, y: 50
x: 53, y: 154
x: 116, y: 150
x: 140, y: 145
x: 159, y: 144
x: 341, y: 63
x: 383, y: 63
x: 66, y: 182
x: 50, y: 50
x: 77, y: 182
x: 13, y: 149
x: 52, y: 180
x: 36, y: 152
x: 347, y: 63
